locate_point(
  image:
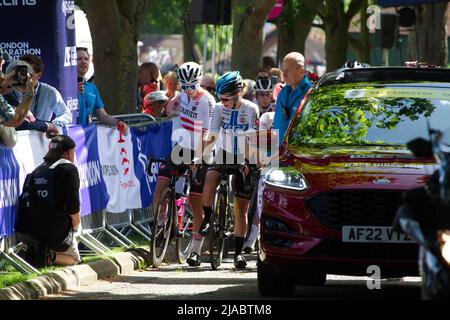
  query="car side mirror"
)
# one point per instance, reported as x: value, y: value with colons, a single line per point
x: 420, y: 147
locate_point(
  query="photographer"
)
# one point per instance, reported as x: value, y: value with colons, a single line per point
x: 48, y: 103
x: 10, y: 117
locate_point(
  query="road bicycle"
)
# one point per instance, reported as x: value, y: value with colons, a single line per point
x: 173, y: 218
x: 222, y: 218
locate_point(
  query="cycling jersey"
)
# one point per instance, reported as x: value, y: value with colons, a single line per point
x: 195, y: 117
x: 270, y: 108
x: 232, y: 122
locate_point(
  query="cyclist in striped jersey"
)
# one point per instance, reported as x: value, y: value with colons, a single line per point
x: 196, y: 106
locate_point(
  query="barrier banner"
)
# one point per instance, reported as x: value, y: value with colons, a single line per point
x: 124, y: 161
x: 154, y: 141
x: 45, y: 29
x: 93, y: 193
x: 9, y: 191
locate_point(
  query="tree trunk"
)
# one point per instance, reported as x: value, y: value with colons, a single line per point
x: 190, y: 53
x: 431, y: 20
x: 115, y: 26
x: 293, y: 31
x: 336, y: 46
x: 337, y: 22
x: 248, y: 39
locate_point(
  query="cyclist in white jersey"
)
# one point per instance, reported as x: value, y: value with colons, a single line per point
x: 196, y: 106
x: 264, y: 92
x: 233, y: 117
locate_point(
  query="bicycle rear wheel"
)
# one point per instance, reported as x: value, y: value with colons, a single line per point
x: 162, y: 227
x: 217, y: 231
x: 183, y: 245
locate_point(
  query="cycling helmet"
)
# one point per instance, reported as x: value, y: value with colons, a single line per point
x: 190, y: 72
x: 229, y: 83
x: 263, y: 85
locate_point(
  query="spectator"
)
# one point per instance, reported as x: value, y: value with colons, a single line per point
x: 208, y: 84
x: 297, y: 85
x: 53, y: 190
x: 89, y: 100
x: 276, y: 74
x: 262, y: 73
x: 154, y: 104
x: 10, y: 117
x: 3, y: 58
x: 248, y: 91
x: 48, y: 110
x: 171, y: 85
x: 148, y: 80
x: 268, y: 63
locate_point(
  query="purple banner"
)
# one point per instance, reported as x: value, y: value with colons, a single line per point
x: 94, y: 195
x: 46, y: 29
x: 9, y: 191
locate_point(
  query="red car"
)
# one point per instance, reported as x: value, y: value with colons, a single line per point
x: 329, y: 207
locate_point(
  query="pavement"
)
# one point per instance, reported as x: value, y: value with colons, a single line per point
x: 69, y: 278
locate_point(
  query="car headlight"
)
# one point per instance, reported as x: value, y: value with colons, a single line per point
x: 444, y: 242
x: 287, y: 178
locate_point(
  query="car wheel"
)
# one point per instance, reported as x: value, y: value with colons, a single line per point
x: 272, y: 283
x: 311, y: 279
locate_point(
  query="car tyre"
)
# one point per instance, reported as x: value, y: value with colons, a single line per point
x: 272, y: 283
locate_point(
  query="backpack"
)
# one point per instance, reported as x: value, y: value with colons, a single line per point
x: 26, y: 216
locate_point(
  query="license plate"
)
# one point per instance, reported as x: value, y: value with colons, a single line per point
x: 373, y: 234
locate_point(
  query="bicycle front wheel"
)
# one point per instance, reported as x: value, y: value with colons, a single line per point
x: 162, y: 226
x: 185, y: 226
x: 217, y: 231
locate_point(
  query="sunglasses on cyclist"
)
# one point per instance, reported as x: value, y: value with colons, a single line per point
x: 263, y: 94
x: 225, y: 99
x: 186, y: 87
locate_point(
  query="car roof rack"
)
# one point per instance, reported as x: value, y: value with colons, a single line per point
x: 371, y: 74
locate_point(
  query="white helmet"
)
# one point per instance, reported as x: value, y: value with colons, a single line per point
x: 263, y: 85
x: 190, y: 72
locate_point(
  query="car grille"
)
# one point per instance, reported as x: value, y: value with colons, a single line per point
x: 358, y: 208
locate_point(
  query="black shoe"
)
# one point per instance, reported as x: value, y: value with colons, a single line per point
x: 240, y: 262
x: 204, y: 228
x: 194, y: 260
x: 248, y: 250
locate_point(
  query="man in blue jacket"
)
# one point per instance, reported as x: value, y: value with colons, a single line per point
x: 297, y: 85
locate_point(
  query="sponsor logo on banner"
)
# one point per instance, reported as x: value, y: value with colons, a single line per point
x: 17, y: 3
x: 18, y: 49
x: 8, y: 190
x: 90, y: 174
x: 126, y: 181
x: 70, y: 58
x: 72, y: 103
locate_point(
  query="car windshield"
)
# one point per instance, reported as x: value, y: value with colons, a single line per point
x: 366, y: 114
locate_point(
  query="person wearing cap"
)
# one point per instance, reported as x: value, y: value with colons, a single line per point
x: 297, y: 85
x: 54, y: 196
x: 154, y: 104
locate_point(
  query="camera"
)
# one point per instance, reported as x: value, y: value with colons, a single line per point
x: 80, y: 79
x: 21, y: 75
